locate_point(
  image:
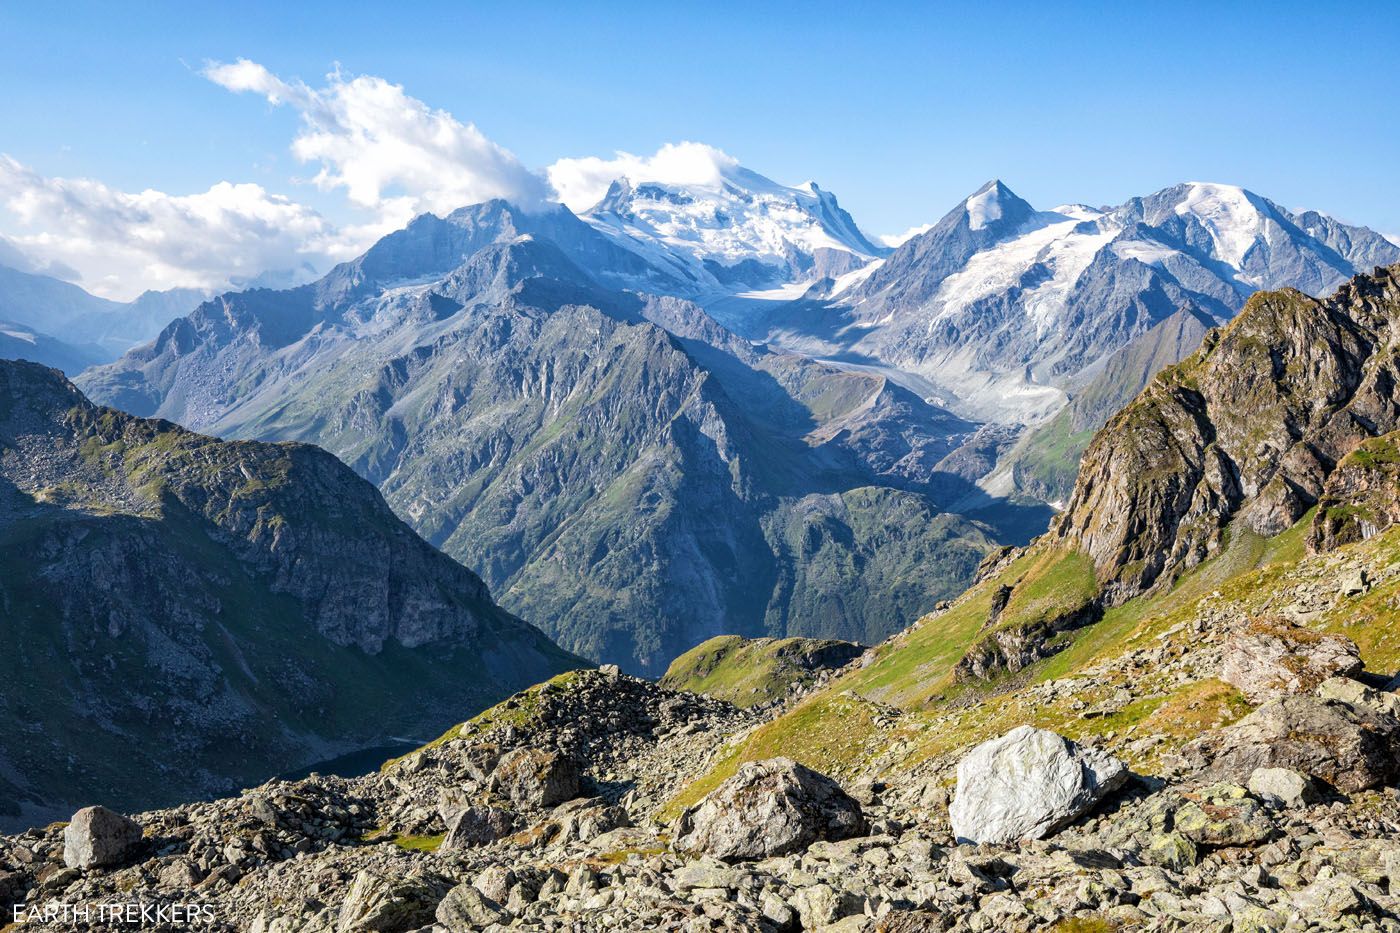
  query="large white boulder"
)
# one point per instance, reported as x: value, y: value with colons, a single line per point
x: 1028, y: 784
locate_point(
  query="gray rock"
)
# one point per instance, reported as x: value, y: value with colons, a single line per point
x: 97, y: 838
x: 769, y: 808
x: 1280, y: 660
x: 1358, y: 694
x: 477, y: 826
x: 1028, y: 784
x: 534, y: 778
x: 1171, y: 850
x: 1350, y: 747
x: 582, y: 820
x: 467, y: 910
x: 1224, y: 816
x: 388, y: 904
x: 1355, y: 583
x: 1283, y: 787
x: 494, y: 882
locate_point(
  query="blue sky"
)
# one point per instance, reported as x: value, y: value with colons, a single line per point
x: 901, y: 109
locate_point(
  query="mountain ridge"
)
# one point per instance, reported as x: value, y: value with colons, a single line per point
x: 168, y: 591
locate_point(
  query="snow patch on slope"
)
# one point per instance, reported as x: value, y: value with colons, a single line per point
x: 23, y: 335
x: 984, y: 208
x: 1063, y: 246
x: 1146, y: 252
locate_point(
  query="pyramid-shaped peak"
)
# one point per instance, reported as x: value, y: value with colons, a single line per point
x: 993, y: 202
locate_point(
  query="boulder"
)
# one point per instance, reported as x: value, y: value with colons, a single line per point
x: 1171, y: 850
x: 494, y: 882
x: 769, y: 808
x: 477, y: 826
x: 1274, y: 659
x: 1358, y: 694
x: 533, y: 778
x: 1028, y: 784
x: 1283, y: 787
x: 98, y: 838
x: 384, y: 904
x: 467, y: 910
x: 1350, y: 747
x: 1223, y: 815
x: 585, y: 819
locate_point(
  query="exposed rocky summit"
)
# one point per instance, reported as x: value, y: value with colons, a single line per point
x: 170, y: 595
x: 1249, y: 429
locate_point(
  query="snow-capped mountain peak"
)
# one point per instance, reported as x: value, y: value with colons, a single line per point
x: 1234, y: 217
x: 1000, y: 305
x: 738, y: 229
x: 984, y: 207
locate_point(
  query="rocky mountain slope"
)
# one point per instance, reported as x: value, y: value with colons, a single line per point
x: 184, y: 615
x: 1247, y: 430
x: 749, y: 672
x: 614, y: 464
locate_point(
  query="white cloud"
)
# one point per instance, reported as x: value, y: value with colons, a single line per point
x: 391, y: 155
x: 1393, y: 237
x: 581, y: 183
x: 389, y: 152
x: 117, y: 244
x: 898, y: 239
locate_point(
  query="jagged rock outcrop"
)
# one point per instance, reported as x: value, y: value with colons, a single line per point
x: 1248, y: 429
x: 1361, y: 497
x: 171, y: 594
x: 1027, y: 784
x: 1272, y: 659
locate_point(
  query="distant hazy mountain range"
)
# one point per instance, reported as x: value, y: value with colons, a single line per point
x: 706, y: 409
x: 80, y: 327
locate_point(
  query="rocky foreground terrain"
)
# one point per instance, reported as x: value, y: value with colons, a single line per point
x: 542, y: 814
